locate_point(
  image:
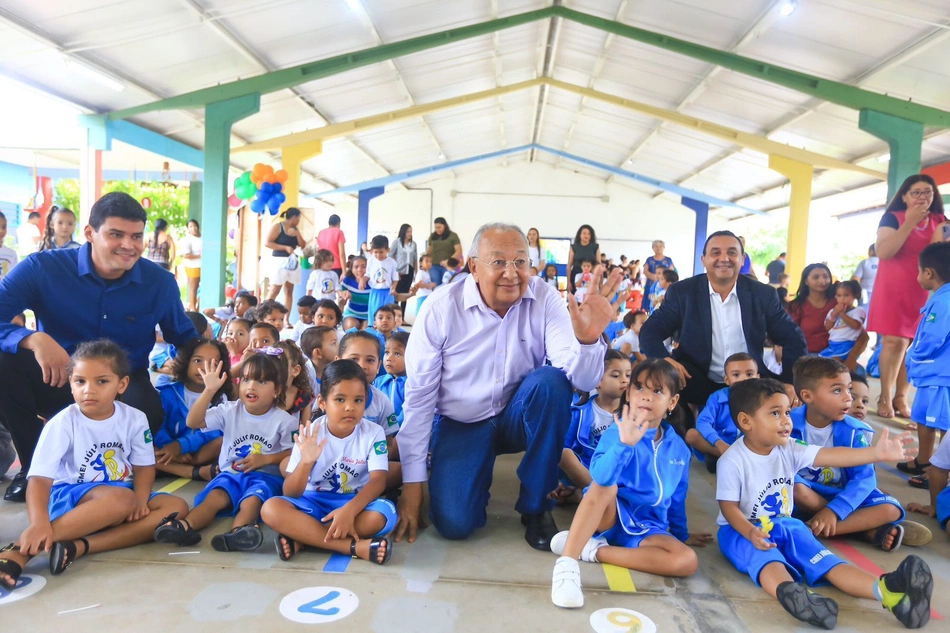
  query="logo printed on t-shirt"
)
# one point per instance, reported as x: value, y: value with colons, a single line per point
x: 931, y: 318
x: 148, y: 436
x: 380, y: 448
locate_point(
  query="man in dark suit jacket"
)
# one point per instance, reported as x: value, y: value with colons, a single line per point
x: 706, y: 310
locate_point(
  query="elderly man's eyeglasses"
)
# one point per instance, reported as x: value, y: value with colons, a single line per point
x: 502, y: 264
x: 921, y: 193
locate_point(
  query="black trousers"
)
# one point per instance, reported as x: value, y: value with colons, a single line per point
x: 699, y: 387
x: 405, y: 283
x: 24, y: 396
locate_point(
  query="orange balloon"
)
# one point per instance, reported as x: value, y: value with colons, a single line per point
x: 281, y: 176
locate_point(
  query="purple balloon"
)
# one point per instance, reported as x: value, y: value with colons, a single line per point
x: 231, y: 234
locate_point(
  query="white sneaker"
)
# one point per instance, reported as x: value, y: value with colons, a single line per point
x: 566, y: 585
x: 588, y: 554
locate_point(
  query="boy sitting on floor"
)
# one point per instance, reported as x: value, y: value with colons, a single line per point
x: 715, y: 430
x: 838, y: 501
x: 759, y: 536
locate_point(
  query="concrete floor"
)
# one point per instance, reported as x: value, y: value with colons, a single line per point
x: 493, y: 582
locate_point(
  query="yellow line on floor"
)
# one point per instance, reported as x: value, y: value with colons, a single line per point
x: 175, y: 485
x: 618, y: 579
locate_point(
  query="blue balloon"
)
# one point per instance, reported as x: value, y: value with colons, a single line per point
x: 257, y: 206
x: 273, y: 205
x: 277, y: 187
x: 267, y: 187
x: 280, y: 197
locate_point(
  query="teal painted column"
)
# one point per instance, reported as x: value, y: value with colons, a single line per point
x: 195, y: 191
x: 219, y: 117
x: 905, y: 139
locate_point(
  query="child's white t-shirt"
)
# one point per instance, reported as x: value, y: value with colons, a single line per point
x: 381, y: 411
x: 763, y: 485
x: 74, y: 449
x: 299, y: 328
x: 823, y: 437
x: 346, y: 462
x: 424, y: 277
x: 602, y: 420
x: 629, y: 336
x: 244, y: 433
x: 579, y: 280
x: 940, y: 458
x: 324, y: 284
x: 8, y: 259
x: 842, y: 331
x: 382, y: 274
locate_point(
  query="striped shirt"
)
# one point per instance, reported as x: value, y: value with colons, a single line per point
x: 358, y: 305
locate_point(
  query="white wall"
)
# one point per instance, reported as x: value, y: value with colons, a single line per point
x: 555, y: 201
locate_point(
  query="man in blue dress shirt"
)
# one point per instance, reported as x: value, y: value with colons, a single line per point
x: 100, y: 290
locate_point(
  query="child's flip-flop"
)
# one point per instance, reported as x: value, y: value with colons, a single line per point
x: 881, y: 534
x: 63, y: 554
x: 172, y: 530
x: 244, y: 538
x: 374, y: 550
x: 9, y: 568
x: 912, y: 467
x: 919, y: 481
x: 281, y: 541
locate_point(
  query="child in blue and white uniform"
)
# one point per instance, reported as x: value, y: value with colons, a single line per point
x: 590, y: 417
x: 423, y: 281
x: 840, y: 501
x: 715, y: 430
x: 635, y: 508
x: 928, y: 357
x: 845, y: 322
x: 759, y: 535
x: 336, y: 473
x: 175, y: 440
x: 383, y: 325
x: 382, y: 276
x: 938, y: 477
x: 257, y: 436
x: 92, y: 472
x: 393, y: 382
x: 365, y: 349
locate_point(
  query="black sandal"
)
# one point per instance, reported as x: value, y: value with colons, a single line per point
x: 171, y: 530
x: 881, y: 534
x: 214, y: 471
x: 244, y: 538
x: 374, y: 550
x: 919, y: 481
x: 916, y: 469
x: 63, y: 553
x: 10, y: 568
x: 282, y: 540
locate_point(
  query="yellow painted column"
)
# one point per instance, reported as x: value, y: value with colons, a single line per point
x: 292, y: 158
x: 800, y: 176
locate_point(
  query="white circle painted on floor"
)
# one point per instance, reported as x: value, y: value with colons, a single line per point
x: 318, y: 605
x: 26, y: 586
x: 617, y: 620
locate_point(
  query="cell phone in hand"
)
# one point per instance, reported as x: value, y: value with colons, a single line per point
x: 946, y: 232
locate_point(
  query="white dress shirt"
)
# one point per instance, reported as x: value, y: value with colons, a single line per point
x: 727, y: 335
x: 465, y: 362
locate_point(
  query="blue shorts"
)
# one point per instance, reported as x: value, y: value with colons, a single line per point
x: 876, y: 498
x: 241, y: 486
x: 796, y: 548
x: 378, y: 297
x: 621, y: 536
x: 932, y: 407
x: 65, y: 497
x: 320, y: 504
x: 837, y: 349
x: 943, y: 507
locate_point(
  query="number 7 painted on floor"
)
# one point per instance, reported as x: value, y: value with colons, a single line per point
x: 311, y: 607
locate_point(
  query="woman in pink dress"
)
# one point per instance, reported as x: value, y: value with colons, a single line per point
x: 912, y: 220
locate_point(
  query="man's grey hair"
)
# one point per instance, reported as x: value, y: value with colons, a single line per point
x: 493, y: 226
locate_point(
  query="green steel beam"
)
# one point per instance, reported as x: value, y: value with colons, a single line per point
x: 831, y: 91
x: 312, y: 71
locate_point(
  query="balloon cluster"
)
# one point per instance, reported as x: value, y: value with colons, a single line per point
x: 264, y: 185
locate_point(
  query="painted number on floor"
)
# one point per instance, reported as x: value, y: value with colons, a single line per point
x: 26, y: 586
x: 318, y: 605
x: 621, y: 621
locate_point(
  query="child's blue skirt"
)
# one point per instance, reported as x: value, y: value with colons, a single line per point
x: 320, y: 504
x: 65, y: 497
x: 378, y: 297
x: 241, y: 486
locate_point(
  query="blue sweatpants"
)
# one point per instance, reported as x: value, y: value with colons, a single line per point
x: 463, y: 454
